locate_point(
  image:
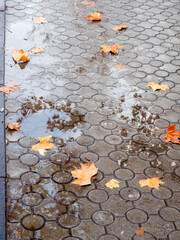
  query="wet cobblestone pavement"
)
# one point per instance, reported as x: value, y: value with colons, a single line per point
x: 96, y: 111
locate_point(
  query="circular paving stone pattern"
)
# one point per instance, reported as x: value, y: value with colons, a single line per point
x: 65, y: 197
x: 175, y: 235
x: 29, y: 159
x: 113, y: 139
x: 62, y: 177
x: 60, y: 158
x: 33, y: 222
x: 98, y: 196
x: 31, y: 199
x: 137, y: 216
x: 85, y: 140
x: 68, y: 220
x: 124, y: 174
x: 147, y: 155
x: 109, y: 124
x: 170, y: 214
x: 30, y: 178
x: 146, y: 236
x: 89, y: 155
x: 103, y: 218
x: 162, y: 193
x: 130, y: 194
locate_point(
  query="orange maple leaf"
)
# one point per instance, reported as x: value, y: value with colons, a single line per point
x: 89, y: 4
x: 156, y: 86
x: 13, y: 126
x: 113, y: 48
x: 119, y: 28
x: 120, y: 66
x: 20, y: 56
x: 10, y: 86
x: 172, y: 135
x: 140, y: 232
x: 38, y: 50
x: 151, y: 182
x: 40, y: 20
x: 18, y: 233
x: 84, y: 174
x: 43, y: 144
x: 94, y: 17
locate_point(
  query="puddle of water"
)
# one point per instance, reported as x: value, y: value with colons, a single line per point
x: 40, y: 119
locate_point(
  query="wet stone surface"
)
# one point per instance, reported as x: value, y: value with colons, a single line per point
x: 95, y: 112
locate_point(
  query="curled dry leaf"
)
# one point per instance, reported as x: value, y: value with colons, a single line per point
x: 112, y: 49
x: 89, y: 4
x: 94, y: 17
x: 84, y: 174
x: 172, y: 135
x: 40, y: 20
x: 38, y: 50
x: 20, y: 55
x: 43, y: 144
x: 113, y: 183
x: 156, y: 86
x: 151, y: 182
x: 120, y: 66
x: 13, y: 126
x: 119, y: 28
x: 141, y: 231
x: 10, y: 86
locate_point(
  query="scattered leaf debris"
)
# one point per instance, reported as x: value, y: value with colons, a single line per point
x: 43, y: 144
x: 112, y: 49
x: 172, y: 135
x: 157, y: 86
x: 13, y: 126
x: 94, y: 16
x: 37, y: 50
x: 141, y: 231
x: 151, y: 182
x: 113, y: 183
x: 40, y: 20
x: 121, y: 27
x: 89, y: 4
x: 20, y: 55
x: 10, y: 86
x: 120, y: 66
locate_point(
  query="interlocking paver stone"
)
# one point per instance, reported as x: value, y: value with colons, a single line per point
x: 95, y: 112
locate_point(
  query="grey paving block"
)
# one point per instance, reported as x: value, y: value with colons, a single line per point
x: 2, y: 146
x: 2, y: 5
x: 2, y: 209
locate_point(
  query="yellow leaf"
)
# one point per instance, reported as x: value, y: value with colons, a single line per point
x: 156, y: 86
x: 43, y: 144
x: 119, y: 28
x: 113, y: 183
x: 40, y: 20
x: 94, y: 17
x: 84, y: 174
x: 109, y: 48
x: 13, y: 126
x: 38, y: 50
x: 20, y: 55
x: 151, y: 182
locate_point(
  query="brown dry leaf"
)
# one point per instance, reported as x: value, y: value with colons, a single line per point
x: 156, y: 86
x: 38, y: 50
x: 151, y: 182
x: 141, y: 231
x: 94, y: 17
x: 10, y: 86
x: 113, y: 183
x: 13, y: 126
x: 113, y: 48
x: 89, y: 4
x: 20, y: 55
x: 119, y: 28
x: 43, y: 144
x: 40, y: 20
x: 84, y: 174
x: 172, y: 135
x: 120, y: 66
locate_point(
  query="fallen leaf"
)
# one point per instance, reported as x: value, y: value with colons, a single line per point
x: 43, y: 144
x: 10, y: 86
x: 156, y: 86
x: 119, y: 28
x: 140, y: 232
x: 172, y: 135
x: 151, y: 182
x: 84, y: 174
x: 113, y: 183
x: 89, y: 4
x: 40, y: 20
x: 120, y: 66
x: 20, y: 55
x: 13, y: 126
x: 18, y: 233
x: 94, y: 17
x: 38, y: 50
x: 113, y: 48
